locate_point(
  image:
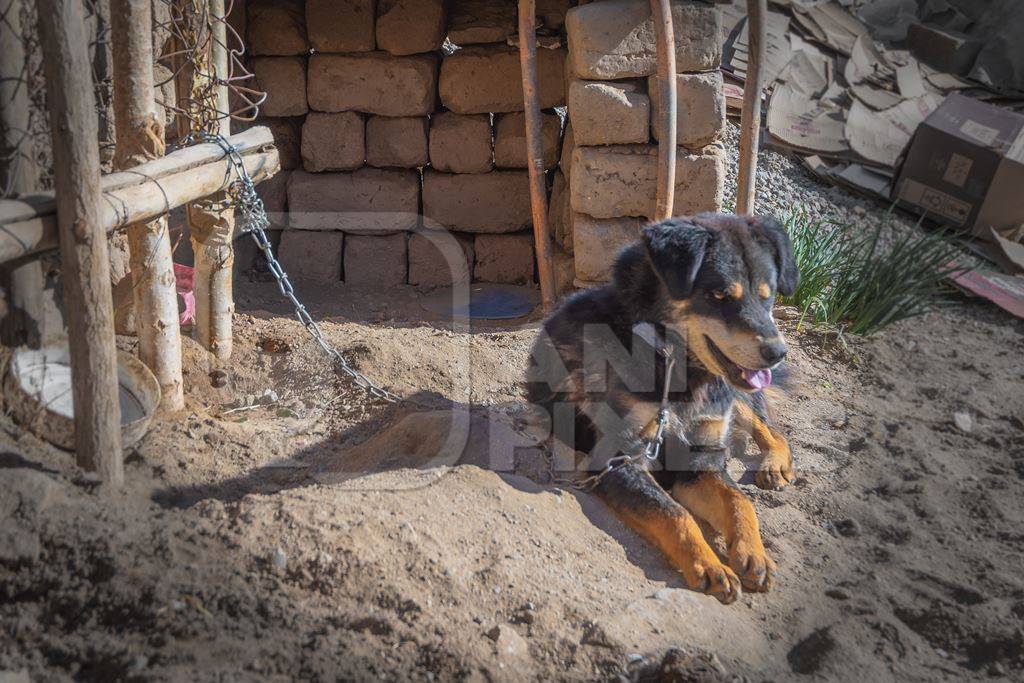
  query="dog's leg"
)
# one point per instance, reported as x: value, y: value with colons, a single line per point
x: 709, y: 496
x: 636, y: 498
x: 776, y: 468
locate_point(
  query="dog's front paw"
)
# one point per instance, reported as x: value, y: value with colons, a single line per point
x: 713, y: 578
x: 775, y: 472
x: 755, y: 569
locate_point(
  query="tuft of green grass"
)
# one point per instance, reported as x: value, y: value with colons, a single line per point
x: 863, y: 282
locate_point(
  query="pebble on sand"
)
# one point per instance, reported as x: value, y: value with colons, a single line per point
x: 963, y: 421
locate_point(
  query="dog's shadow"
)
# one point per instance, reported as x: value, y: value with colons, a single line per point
x: 430, y: 440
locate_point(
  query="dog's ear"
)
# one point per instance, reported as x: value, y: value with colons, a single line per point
x: 785, y: 262
x: 676, y: 250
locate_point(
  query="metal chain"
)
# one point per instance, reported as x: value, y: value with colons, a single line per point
x: 652, y: 444
x: 241, y: 195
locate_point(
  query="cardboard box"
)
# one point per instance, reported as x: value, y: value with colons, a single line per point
x: 965, y: 167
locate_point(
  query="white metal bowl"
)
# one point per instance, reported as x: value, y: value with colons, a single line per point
x: 37, y: 388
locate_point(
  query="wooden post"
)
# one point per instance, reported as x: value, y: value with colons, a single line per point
x: 661, y: 13
x: 18, y: 175
x: 140, y: 138
x: 85, y: 263
x: 212, y: 231
x: 535, y: 153
x: 750, y: 119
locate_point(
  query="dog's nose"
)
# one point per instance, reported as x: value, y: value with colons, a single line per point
x: 773, y: 352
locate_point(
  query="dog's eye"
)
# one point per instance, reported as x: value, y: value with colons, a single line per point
x: 735, y: 291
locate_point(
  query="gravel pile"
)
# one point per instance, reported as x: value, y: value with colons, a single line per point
x: 783, y: 184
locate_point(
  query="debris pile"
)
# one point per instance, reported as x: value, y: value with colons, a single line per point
x: 849, y: 85
x: 846, y: 102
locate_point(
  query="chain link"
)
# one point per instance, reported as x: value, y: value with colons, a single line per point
x: 241, y: 195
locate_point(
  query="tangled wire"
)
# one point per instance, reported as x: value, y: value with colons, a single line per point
x: 194, y: 31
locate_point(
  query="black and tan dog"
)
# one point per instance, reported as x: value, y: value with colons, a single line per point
x: 704, y: 287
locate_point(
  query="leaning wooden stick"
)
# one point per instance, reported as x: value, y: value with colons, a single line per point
x: 212, y: 244
x: 25, y: 319
x: 85, y: 262
x: 140, y: 138
x: 212, y: 230
x: 535, y: 153
x: 750, y: 120
x: 661, y: 13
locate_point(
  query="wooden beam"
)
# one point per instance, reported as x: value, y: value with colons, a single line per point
x: 664, y: 32
x: 85, y: 263
x: 140, y: 138
x: 29, y: 224
x: 535, y: 152
x: 750, y: 119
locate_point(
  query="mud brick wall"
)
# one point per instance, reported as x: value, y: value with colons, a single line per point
x: 401, y: 120
x: 606, y: 187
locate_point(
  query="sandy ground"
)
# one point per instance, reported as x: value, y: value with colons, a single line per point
x: 299, y: 539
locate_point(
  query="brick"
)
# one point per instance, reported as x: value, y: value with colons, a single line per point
x: 461, y: 143
x: 560, y: 213
x: 276, y: 28
x: 274, y: 193
x: 312, y: 255
x: 340, y: 25
x: 615, y: 39
x: 552, y: 13
x: 249, y: 260
x: 611, y: 182
x: 481, y: 21
x: 507, y: 259
x: 400, y: 141
x: 568, y: 145
x: 440, y: 258
x: 477, y: 80
x: 564, y: 266
x: 370, y: 200
x: 407, y: 27
x: 609, y: 113
x: 700, y: 108
x: 284, y: 80
x: 510, y: 140
x: 598, y: 241
x: 287, y: 134
x: 333, y: 142
x: 498, y: 201
x: 378, y: 260
x: 375, y: 83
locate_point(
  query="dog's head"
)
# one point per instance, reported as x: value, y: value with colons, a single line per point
x: 720, y: 275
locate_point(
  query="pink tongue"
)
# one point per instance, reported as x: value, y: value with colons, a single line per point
x: 758, y: 379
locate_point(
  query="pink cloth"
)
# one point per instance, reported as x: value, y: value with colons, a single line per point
x: 183, y: 279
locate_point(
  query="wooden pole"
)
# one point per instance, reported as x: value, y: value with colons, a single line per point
x: 212, y: 231
x: 151, y: 190
x: 661, y: 13
x: 750, y: 119
x: 85, y: 264
x: 535, y: 153
x: 18, y: 171
x: 140, y: 138
x: 18, y: 175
